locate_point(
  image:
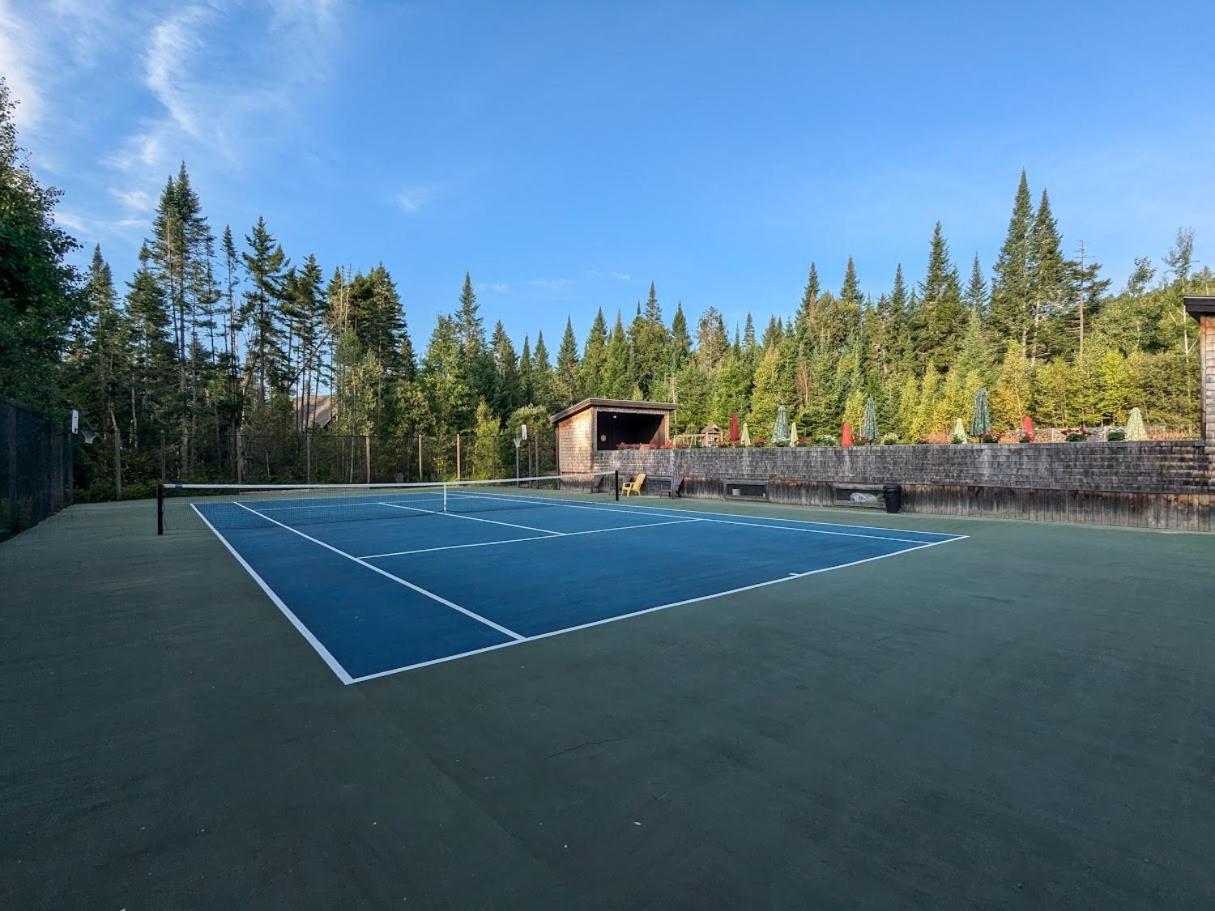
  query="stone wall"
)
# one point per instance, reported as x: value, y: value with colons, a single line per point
x: 1153, y: 484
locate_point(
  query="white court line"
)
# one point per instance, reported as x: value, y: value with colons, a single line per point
x: 734, y: 520
x: 648, y: 610
x: 326, y: 655
x: 560, y: 534
x: 383, y: 572
x: 456, y: 515
x: 262, y: 506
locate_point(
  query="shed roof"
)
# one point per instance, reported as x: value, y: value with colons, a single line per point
x: 610, y: 405
x: 1199, y: 304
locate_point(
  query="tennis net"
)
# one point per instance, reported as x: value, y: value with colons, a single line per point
x: 226, y: 506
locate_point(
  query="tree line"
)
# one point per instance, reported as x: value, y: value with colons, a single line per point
x: 214, y: 341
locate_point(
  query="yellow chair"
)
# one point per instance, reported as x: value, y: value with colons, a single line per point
x: 634, y: 486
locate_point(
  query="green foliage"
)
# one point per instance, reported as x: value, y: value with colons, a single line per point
x: 487, y: 443
x: 565, y: 379
x: 232, y: 344
x: 39, y: 292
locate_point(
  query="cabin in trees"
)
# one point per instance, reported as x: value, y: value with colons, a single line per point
x: 603, y: 425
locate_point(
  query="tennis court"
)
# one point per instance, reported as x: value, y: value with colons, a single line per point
x: 391, y: 578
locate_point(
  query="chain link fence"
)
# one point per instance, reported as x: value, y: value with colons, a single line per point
x: 134, y: 466
x: 35, y: 467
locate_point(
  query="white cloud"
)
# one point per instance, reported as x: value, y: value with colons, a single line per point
x: 227, y: 79
x: 172, y: 48
x: 18, y: 64
x: 411, y: 200
x: 539, y: 288
x: 135, y: 200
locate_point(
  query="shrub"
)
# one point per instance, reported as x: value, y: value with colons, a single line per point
x: 890, y: 439
x: 1115, y: 436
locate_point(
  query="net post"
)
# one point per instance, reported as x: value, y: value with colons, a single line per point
x: 616, y: 483
x: 160, y: 508
x: 445, y: 496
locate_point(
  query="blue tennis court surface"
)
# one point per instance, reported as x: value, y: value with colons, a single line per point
x: 384, y: 584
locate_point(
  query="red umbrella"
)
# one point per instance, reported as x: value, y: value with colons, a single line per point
x: 846, y: 435
x: 1027, y: 426
x: 734, y: 428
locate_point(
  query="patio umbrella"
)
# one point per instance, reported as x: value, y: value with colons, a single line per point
x: 780, y: 432
x: 734, y: 437
x: 746, y: 435
x: 793, y: 433
x: 869, y: 427
x: 846, y: 435
x: 980, y: 424
x: 1134, y: 426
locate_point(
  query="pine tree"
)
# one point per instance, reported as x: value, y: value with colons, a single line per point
x: 526, y: 390
x: 772, y: 388
x: 154, y: 354
x: 712, y: 343
x: 976, y: 290
x: 1048, y: 280
x: 445, y: 377
x: 941, y: 315
x: 594, y: 358
x: 265, y: 264
x: 1011, y: 291
x: 681, y: 341
x: 471, y: 333
x: 1010, y: 399
x: 507, y: 389
x: 542, y: 374
x: 617, y: 381
x: 806, y: 311
x: 651, y: 347
x: 98, y: 361
x: 565, y: 379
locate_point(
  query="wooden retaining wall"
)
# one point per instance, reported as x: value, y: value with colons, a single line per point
x: 1163, y: 485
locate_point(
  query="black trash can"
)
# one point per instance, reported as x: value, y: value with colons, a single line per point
x: 892, y: 496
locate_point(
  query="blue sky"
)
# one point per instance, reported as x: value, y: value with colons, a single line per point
x: 567, y: 154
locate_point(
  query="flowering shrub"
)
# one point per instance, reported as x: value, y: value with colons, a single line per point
x: 1076, y: 434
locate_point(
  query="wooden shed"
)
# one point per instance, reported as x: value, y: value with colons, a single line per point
x: 603, y: 425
